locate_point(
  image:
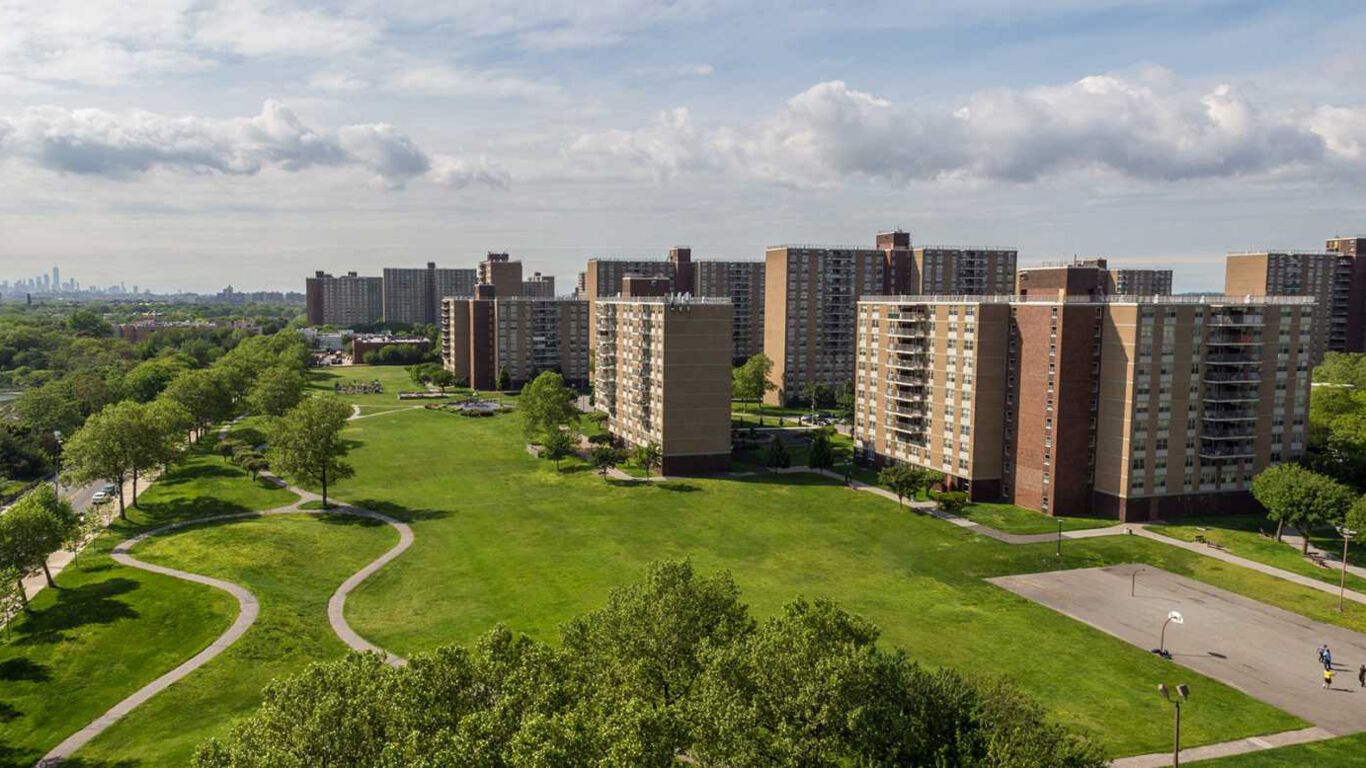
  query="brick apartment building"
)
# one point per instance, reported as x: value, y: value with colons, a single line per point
x: 504, y: 274
x: 525, y: 336
x: 414, y: 295
x: 1092, y: 277
x: 1126, y: 407
x: 343, y: 301
x: 1336, y: 278
x: 539, y: 286
x: 663, y: 376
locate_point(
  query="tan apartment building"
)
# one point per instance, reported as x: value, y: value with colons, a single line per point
x: 539, y: 286
x: 810, y: 297
x: 663, y: 375
x: 343, y: 301
x: 1335, y: 278
x: 962, y: 270
x: 743, y: 283
x: 1133, y: 408
x: 501, y: 272
x: 486, y: 335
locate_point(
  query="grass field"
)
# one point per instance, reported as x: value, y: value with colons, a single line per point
x: 537, y: 547
x: 292, y: 564
x: 108, y: 629
x: 1013, y: 519
x: 1345, y: 752
x: 1241, y: 535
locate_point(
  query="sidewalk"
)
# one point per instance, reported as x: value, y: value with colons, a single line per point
x: 1292, y: 538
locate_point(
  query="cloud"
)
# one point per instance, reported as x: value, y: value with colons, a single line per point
x: 1151, y: 127
x: 93, y: 142
x: 256, y: 29
x: 458, y: 173
x: 439, y: 80
x: 340, y: 82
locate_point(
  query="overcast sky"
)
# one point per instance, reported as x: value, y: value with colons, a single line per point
x: 191, y: 144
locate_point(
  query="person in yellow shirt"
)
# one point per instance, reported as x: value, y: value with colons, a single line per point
x: 1328, y: 677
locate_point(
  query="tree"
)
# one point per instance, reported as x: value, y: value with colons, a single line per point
x: 648, y: 456
x: 205, y: 394
x: 443, y: 378
x: 546, y: 405
x: 844, y: 402
x: 1356, y: 516
x: 166, y: 421
x: 901, y: 479
x: 750, y: 381
x: 810, y: 393
x: 821, y: 455
x: 777, y: 454
x: 559, y: 444
x: 277, y: 390
x: 504, y: 381
x: 83, y: 322
x: 33, y: 528
x: 149, y: 378
x: 952, y: 502
x: 251, y: 461
x: 606, y: 458
x: 228, y: 447
x: 1296, y: 496
x: 13, y: 600
x: 87, y: 527
x: 103, y: 448
x: 306, y: 442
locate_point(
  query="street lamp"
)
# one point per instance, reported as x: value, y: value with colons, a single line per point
x: 1347, y: 534
x: 1184, y: 693
x: 1174, y: 617
x: 57, y: 473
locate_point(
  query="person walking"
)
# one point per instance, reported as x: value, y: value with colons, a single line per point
x: 1327, y: 657
x: 1322, y: 650
x: 1361, y: 675
x: 1327, y: 677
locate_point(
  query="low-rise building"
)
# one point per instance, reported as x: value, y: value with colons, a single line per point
x: 663, y: 375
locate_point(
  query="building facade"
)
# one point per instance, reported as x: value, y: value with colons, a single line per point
x: 1133, y: 408
x: 663, y: 375
x: 810, y: 296
x: 539, y: 286
x: 343, y: 301
x: 485, y: 336
x: 743, y: 283
x: 413, y: 295
x: 1331, y: 279
x: 501, y: 272
x: 1091, y: 277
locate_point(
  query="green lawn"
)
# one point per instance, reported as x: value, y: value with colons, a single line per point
x: 292, y: 563
x: 502, y: 537
x: 1242, y: 536
x: 1344, y: 752
x: 108, y: 629
x: 394, y: 378
x: 1013, y: 519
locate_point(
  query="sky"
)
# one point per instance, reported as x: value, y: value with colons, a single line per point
x: 192, y: 144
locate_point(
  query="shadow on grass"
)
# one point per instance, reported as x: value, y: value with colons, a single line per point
x: 678, y: 487
x: 401, y: 512
x: 162, y: 513
x: 76, y: 607
x: 82, y: 762
x: 8, y: 713
x: 25, y: 670
x: 350, y: 520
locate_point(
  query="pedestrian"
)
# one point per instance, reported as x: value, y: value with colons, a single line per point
x: 1327, y: 657
x: 1322, y: 650
x: 1361, y: 675
x: 1327, y: 677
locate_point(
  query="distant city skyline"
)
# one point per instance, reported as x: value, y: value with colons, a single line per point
x: 195, y: 145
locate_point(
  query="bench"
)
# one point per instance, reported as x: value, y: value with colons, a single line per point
x: 1318, y: 560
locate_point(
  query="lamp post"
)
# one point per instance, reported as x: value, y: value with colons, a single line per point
x: 1347, y: 535
x: 1059, y: 539
x: 1184, y: 693
x: 57, y: 472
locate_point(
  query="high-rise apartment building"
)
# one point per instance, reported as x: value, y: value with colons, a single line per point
x: 810, y: 293
x: 343, y: 301
x: 663, y: 376
x: 1128, y: 407
x: 743, y: 283
x: 523, y: 336
x: 414, y: 295
x: 1336, y: 281
x: 1091, y: 277
x: 963, y: 270
x: 501, y: 272
x: 539, y: 286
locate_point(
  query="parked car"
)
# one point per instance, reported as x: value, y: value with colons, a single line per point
x: 105, y: 494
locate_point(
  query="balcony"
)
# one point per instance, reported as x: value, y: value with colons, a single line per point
x: 1229, y: 414
x: 1225, y: 339
x: 1235, y: 376
x: 1227, y: 452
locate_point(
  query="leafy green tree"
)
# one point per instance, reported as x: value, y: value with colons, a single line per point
x: 104, y: 448
x: 443, y: 378
x: 306, y: 442
x: 750, y: 381
x: 821, y: 454
x: 150, y: 378
x: 1356, y: 516
x: 901, y: 479
x: 33, y: 528
x: 1296, y: 496
x: 606, y: 458
x: 251, y: 461
x: 778, y: 457
x: 504, y: 381
x: 228, y: 447
x: 648, y: 456
x: 83, y: 322
x: 277, y: 390
x: 546, y: 405
x: 1347, y: 369
x: 13, y: 599
x: 205, y: 394
x: 559, y: 445
x: 85, y: 528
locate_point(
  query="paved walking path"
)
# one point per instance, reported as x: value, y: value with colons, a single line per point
x: 1226, y: 748
x: 1292, y: 538
x: 248, y: 606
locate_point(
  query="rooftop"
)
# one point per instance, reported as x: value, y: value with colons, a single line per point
x: 673, y: 300
x: 1216, y: 299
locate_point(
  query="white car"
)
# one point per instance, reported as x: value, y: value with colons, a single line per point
x: 105, y: 494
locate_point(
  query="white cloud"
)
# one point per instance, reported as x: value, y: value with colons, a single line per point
x: 259, y: 29
x: 340, y: 82
x: 1149, y: 128
x: 92, y: 142
x: 459, y: 173
x: 440, y: 80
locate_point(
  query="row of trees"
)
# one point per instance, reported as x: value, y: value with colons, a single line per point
x: 1299, y: 497
x: 672, y: 667
x: 37, y: 525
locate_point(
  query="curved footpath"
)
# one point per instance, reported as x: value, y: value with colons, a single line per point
x: 248, y: 606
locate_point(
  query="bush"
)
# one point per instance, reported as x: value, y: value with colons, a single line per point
x: 952, y: 502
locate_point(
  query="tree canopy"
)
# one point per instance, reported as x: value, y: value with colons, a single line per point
x: 1297, y: 496
x: 750, y: 381
x: 546, y: 404
x: 306, y: 442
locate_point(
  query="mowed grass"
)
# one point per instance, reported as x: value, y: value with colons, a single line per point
x: 1344, y: 752
x: 502, y: 537
x: 1242, y: 535
x: 292, y: 564
x: 1013, y: 519
x: 108, y: 629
